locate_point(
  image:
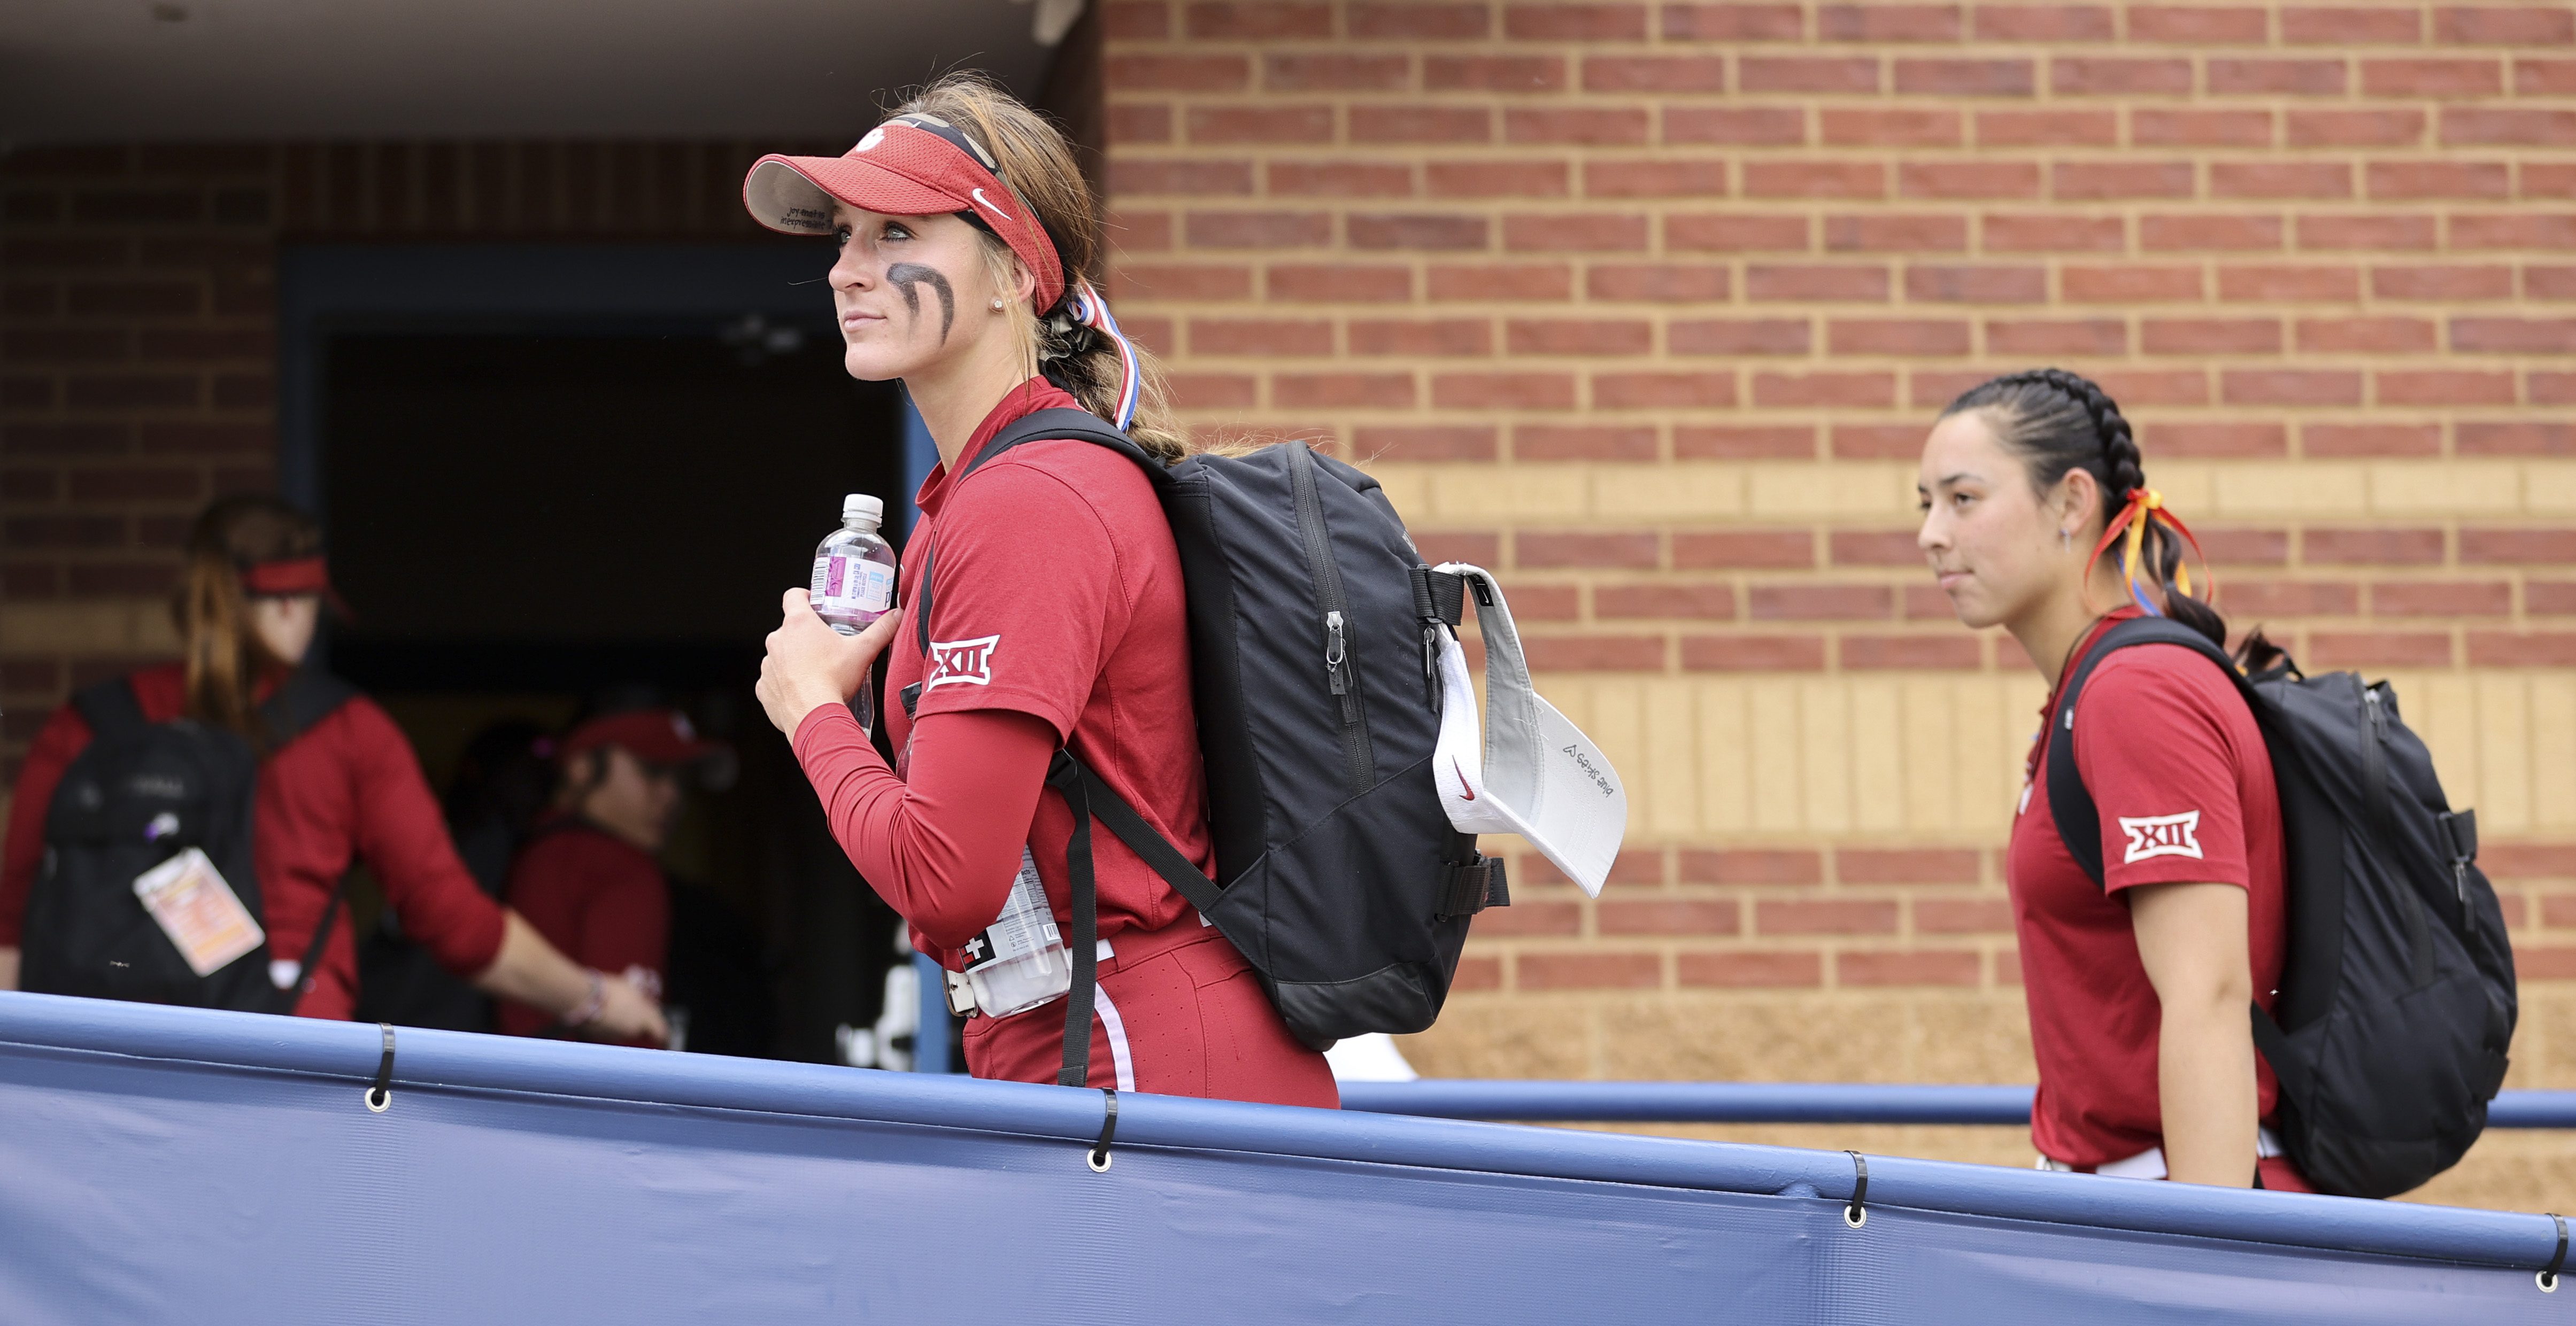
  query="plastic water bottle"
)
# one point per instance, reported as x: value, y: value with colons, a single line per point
x: 854, y: 579
x: 1019, y: 962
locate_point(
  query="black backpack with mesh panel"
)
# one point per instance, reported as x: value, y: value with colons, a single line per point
x: 2397, y: 1000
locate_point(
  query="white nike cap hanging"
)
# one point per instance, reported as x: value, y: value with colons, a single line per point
x: 1525, y: 769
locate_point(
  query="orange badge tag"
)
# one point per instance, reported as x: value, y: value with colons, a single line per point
x: 201, y: 914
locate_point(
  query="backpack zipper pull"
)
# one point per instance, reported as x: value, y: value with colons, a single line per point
x: 1333, y: 652
x: 1337, y: 667
x: 1431, y: 666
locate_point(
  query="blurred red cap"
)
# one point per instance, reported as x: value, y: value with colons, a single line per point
x: 655, y: 736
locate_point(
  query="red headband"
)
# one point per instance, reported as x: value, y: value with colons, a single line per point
x: 292, y: 575
x: 911, y: 165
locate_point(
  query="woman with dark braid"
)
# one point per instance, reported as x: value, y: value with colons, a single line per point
x: 2037, y: 518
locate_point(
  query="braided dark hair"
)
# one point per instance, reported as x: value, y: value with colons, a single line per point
x: 2058, y: 421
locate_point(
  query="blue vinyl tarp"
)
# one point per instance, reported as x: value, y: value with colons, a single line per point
x: 161, y: 1165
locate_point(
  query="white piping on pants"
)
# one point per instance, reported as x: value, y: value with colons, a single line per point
x: 1117, y: 1029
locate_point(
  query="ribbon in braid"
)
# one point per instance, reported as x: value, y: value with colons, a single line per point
x: 1090, y: 310
x: 2145, y: 506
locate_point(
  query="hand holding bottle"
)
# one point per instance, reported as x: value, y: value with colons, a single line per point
x: 854, y: 575
x: 810, y: 665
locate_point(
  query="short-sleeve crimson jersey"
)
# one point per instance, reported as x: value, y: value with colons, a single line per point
x: 1057, y: 593
x: 2177, y: 766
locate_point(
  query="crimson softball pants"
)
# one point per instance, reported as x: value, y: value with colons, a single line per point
x: 1179, y: 1013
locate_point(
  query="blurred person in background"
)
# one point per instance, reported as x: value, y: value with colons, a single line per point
x: 591, y: 878
x: 2138, y: 985
x: 346, y: 789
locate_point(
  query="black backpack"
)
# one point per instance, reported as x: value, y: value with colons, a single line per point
x: 2397, y: 1002
x: 137, y: 795
x: 1313, y: 628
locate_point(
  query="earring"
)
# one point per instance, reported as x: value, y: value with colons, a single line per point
x: 2066, y: 541
x: 997, y: 303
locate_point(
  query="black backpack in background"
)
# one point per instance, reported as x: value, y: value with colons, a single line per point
x: 1312, y: 625
x: 137, y: 795
x: 2397, y: 1003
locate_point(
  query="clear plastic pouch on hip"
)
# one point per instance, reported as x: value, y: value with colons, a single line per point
x: 1020, y: 961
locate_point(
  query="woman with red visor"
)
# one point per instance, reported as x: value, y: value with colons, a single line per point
x: 964, y: 233
x: 2137, y: 984
x: 344, y: 790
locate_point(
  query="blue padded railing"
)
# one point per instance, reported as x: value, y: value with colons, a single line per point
x: 1779, y: 1102
x: 163, y: 1164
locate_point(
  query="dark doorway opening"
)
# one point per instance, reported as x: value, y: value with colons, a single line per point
x: 530, y: 521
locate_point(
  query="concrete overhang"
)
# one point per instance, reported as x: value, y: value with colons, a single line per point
x: 107, y: 70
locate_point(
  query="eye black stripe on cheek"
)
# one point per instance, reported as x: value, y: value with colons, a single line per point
x: 908, y: 277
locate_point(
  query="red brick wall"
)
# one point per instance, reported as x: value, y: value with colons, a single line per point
x: 1648, y: 306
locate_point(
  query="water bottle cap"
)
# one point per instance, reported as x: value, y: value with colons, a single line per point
x: 860, y: 506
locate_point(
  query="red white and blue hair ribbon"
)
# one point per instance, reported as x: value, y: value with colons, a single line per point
x: 1089, y: 309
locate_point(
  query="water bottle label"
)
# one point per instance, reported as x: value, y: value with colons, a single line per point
x: 1026, y: 925
x: 849, y: 585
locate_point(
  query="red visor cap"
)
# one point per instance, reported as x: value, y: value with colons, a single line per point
x: 292, y: 576
x: 911, y: 165
x: 655, y: 736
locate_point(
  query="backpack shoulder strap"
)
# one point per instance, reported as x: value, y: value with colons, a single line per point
x: 308, y: 696
x: 1062, y: 425
x: 111, y: 709
x: 1088, y: 798
x: 1037, y: 426
x: 2079, y: 822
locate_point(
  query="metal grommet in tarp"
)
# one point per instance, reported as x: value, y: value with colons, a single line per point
x: 1857, y: 1215
x: 380, y: 1096
x: 2547, y: 1277
x: 1099, y: 1157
